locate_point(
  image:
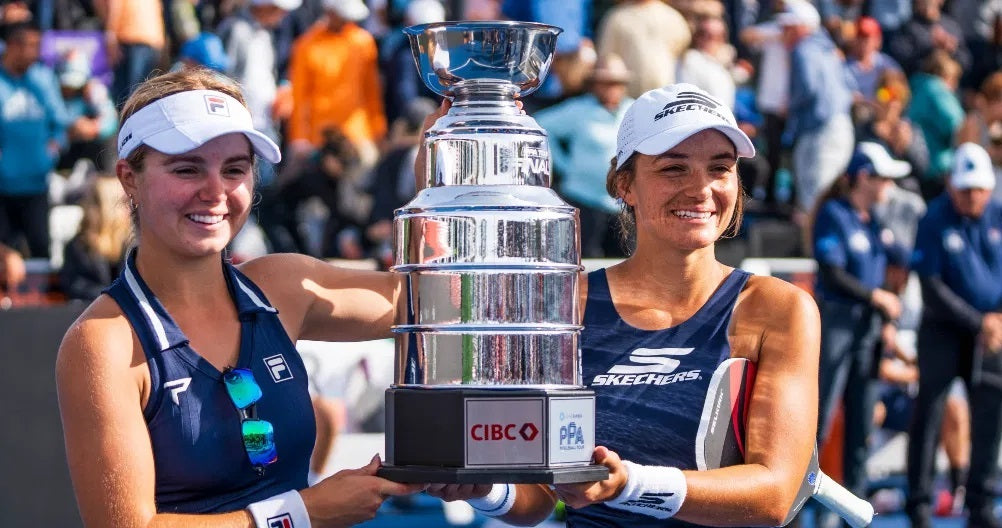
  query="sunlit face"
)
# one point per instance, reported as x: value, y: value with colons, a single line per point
x: 969, y: 202
x: 23, y: 50
x: 609, y: 94
x: 685, y: 198
x: 874, y: 189
x: 269, y: 16
x: 193, y: 203
x: 869, y: 44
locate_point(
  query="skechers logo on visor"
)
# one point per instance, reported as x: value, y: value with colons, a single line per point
x: 216, y: 105
x: 690, y: 101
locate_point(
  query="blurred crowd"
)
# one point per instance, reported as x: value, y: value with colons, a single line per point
x: 334, y: 83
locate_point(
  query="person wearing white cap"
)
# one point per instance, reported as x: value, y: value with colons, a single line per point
x: 958, y: 258
x: 853, y: 251
x: 671, y: 302
x: 184, y: 400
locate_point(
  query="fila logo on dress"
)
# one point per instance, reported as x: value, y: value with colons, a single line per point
x: 278, y: 368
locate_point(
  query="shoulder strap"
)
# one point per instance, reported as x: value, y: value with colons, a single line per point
x: 122, y: 295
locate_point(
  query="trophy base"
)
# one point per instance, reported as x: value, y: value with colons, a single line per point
x: 446, y: 475
x: 464, y: 435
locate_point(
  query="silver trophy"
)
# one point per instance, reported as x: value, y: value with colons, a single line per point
x: 488, y: 381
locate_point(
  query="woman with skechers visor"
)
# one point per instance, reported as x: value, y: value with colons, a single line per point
x: 674, y: 309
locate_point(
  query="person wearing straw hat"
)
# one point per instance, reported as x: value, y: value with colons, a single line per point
x: 582, y: 133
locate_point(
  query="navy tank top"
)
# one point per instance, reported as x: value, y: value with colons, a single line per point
x: 201, y: 464
x: 650, y: 385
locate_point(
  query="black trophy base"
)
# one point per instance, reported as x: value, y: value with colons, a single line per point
x: 484, y: 436
x: 444, y: 475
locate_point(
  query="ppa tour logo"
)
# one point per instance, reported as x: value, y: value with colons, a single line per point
x: 571, y: 437
x: 216, y: 105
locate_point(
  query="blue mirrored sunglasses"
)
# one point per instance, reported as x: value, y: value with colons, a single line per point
x: 258, y: 435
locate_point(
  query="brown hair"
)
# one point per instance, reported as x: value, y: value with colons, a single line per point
x: 941, y: 64
x: 165, y: 85
x: 623, y: 177
x: 839, y: 189
x: 105, y: 226
x: 991, y: 88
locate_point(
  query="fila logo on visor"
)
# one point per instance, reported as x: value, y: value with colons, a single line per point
x: 216, y: 105
x: 278, y: 368
x: 281, y: 521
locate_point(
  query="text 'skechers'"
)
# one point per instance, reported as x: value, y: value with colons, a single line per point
x: 488, y: 381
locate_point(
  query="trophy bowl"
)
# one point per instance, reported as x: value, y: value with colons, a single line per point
x: 454, y: 55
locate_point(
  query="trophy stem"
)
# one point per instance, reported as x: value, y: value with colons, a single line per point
x: 496, y: 97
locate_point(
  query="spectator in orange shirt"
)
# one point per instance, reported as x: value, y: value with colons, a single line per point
x: 335, y: 83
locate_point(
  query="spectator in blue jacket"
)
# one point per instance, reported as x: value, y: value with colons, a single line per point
x: 958, y: 258
x: 32, y: 125
x: 853, y: 250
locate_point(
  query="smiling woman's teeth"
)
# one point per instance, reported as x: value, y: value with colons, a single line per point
x: 206, y: 219
x: 692, y: 214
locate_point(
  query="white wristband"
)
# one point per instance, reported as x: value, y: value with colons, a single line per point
x: 497, y: 502
x: 656, y: 491
x: 285, y: 509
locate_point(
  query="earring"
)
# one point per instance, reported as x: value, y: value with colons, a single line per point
x: 620, y: 203
x: 132, y: 203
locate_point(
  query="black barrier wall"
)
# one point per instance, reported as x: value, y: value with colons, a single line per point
x: 35, y: 485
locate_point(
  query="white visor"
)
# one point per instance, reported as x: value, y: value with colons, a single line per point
x: 662, y: 118
x: 187, y: 120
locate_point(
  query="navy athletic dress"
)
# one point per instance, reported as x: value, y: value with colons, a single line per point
x: 201, y: 464
x: 648, y: 411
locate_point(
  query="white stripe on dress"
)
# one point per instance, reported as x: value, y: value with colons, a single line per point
x: 250, y: 293
x: 144, y: 302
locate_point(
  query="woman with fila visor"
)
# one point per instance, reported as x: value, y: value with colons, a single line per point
x: 675, y: 173
x: 183, y: 399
